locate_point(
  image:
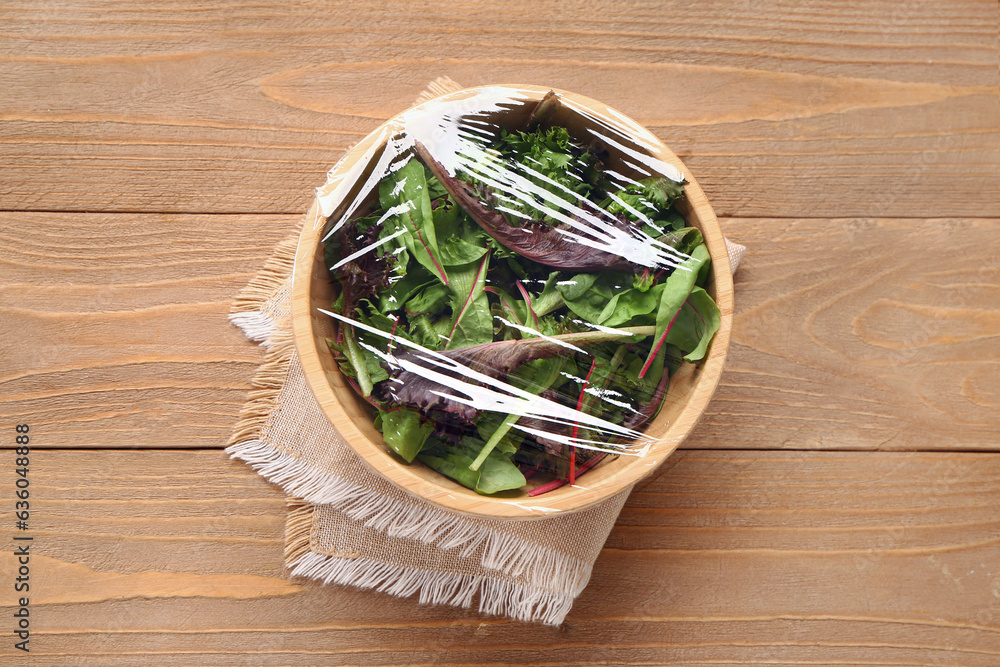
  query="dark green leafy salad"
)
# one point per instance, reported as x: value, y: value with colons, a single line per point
x: 493, y: 337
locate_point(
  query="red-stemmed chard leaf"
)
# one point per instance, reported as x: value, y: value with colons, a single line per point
x: 636, y: 419
x: 676, y: 291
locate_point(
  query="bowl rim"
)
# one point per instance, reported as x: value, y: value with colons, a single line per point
x: 376, y: 456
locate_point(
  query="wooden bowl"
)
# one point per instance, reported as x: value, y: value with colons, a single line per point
x: 691, y: 387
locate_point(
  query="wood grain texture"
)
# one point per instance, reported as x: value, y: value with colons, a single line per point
x: 862, y: 334
x: 774, y: 558
x: 849, y: 334
x: 814, y: 110
x: 853, y: 146
x: 114, y: 330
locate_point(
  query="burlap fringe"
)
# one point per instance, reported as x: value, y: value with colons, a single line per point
x: 298, y: 529
x: 500, y: 598
x: 267, y: 383
x: 403, y: 518
x: 247, y: 314
x: 265, y: 284
x: 247, y: 310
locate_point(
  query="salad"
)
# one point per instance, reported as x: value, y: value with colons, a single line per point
x: 513, y: 307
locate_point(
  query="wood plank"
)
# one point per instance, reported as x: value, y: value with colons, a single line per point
x: 776, y: 558
x: 883, y: 109
x: 862, y: 334
x: 849, y: 334
x: 114, y: 329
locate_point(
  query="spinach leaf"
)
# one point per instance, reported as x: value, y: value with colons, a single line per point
x: 671, y: 219
x: 472, y: 322
x: 587, y: 294
x: 576, y: 287
x: 430, y: 300
x: 497, y: 473
x: 511, y: 309
x: 434, y: 187
x: 455, y: 251
x: 550, y: 298
x: 487, y: 426
x: 675, y: 292
x: 630, y: 304
x: 404, y: 288
x: 403, y: 431
x: 703, y: 273
x: 642, y: 388
x: 451, y: 463
x: 697, y: 322
x: 432, y: 334
x: 406, y: 190
x: 461, y: 242
x: 474, y: 327
x: 684, y: 240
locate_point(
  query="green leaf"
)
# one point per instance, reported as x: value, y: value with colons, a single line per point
x: 643, y: 388
x: 368, y: 314
x: 434, y: 186
x: 697, y: 322
x: 643, y: 281
x: 455, y: 251
x: 407, y: 188
x: 403, y: 431
x: 498, y: 472
x: 487, y: 425
x: 501, y: 431
x: 627, y: 305
x: 462, y: 240
x: 472, y: 323
x: 684, y: 240
x: 430, y: 300
x: 676, y: 289
x: 403, y: 289
x: 587, y: 294
x: 451, y: 464
x: 432, y: 334
x: 576, y: 287
x: 649, y: 198
x: 672, y: 219
x: 704, y: 272
x: 550, y: 298
x: 449, y: 218
x: 511, y: 309
x: 356, y: 357
x: 474, y: 327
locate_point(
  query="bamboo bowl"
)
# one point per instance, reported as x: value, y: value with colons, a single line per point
x: 690, y: 389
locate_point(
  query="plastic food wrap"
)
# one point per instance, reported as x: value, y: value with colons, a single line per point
x: 515, y: 287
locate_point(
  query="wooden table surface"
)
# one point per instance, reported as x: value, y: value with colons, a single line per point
x: 838, y: 504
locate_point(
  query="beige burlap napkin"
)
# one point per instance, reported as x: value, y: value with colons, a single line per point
x: 348, y: 525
